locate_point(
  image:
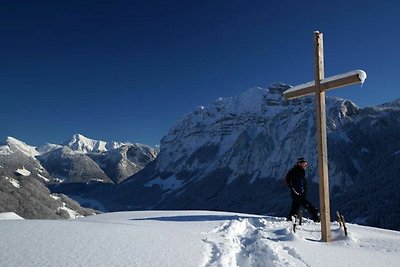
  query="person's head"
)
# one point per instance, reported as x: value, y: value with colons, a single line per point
x: 302, y: 162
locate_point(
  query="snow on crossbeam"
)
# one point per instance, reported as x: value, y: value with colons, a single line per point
x: 352, y: 77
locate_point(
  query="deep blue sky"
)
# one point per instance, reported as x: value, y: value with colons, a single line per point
x: 127, y: 70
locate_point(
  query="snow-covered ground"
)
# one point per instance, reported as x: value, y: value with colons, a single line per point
x: 10, y: 216
x: 189, y: 238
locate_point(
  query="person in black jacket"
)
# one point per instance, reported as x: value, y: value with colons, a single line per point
x: 296, y: 179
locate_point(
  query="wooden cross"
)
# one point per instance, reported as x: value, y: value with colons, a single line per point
x: 318, y: 87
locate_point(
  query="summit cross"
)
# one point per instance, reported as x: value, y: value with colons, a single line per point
x: 318, y: 87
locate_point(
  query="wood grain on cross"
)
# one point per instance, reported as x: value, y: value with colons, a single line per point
x: 318, y: 87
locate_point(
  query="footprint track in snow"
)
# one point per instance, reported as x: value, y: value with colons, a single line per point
x: 250, y: 242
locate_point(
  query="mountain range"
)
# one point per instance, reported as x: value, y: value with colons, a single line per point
x: 27, y: 171
x: 232, y: 155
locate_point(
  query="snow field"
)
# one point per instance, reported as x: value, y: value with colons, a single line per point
x: 190, y: 238
x: 10, y: 216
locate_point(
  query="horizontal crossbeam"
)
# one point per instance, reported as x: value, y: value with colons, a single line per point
x: 352, y: 77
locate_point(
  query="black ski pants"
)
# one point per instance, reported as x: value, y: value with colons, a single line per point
x: 299, y: 201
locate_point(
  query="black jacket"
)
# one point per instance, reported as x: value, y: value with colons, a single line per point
x: 297, y: 181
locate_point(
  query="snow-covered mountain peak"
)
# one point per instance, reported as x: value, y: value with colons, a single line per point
x: 253, y: 100
x: 225, y: 122
x: 21, y: 146
x: 256, y: 100
x: 82, y: 144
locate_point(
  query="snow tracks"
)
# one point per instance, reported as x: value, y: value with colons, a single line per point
x: 252, y: 241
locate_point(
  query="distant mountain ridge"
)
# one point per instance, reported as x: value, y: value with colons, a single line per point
x: 22, y: 186
x: 82, y: 159
x: 82, y: 144
x: 79, y: 160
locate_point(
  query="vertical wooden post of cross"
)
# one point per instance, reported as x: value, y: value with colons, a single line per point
x: 318, y: 87
x: 322, y: 139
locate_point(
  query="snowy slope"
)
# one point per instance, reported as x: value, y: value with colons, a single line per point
x: 21, y: 146
x: 10, y: 216
x: 18, y: 158
x: 190, y: 238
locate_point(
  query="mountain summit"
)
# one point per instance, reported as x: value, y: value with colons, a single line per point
x: 82, y: 144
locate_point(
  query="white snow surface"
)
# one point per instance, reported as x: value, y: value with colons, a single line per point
x: 23, y: 172
x: 14, y: 182
x: 190, y: 238
x: 362, y: 75
x: 44, y: 178
x: 9, y: 216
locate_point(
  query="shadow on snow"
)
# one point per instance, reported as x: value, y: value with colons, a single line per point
x: 192, y: 218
